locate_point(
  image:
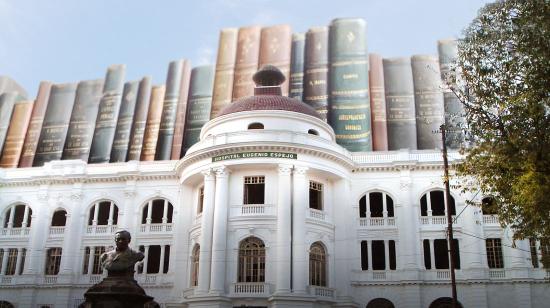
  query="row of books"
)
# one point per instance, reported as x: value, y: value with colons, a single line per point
x: 371, y: 103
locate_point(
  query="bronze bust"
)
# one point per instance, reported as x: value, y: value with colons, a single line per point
x: 121, y: 261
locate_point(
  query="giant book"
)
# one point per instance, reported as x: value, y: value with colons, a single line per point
x: 316, y: 70
x: 454, y: 110
x: 399, y: 89
x: 7, y: 101
x: 275, y: 49
x: 246, y: 63
x: 428, y: 101
x: 13, y: 145
x: 200, y: 102
x: 296, y: 82
x: 124, y: 123
x: 377, y: 103
x: 35, y: 126
x: 169, y: 110
x: 82, y: 123
x: 349, y: 103
x: 151, y: 134
x: 7, y: 84
x: 56, y: 123
x: 140, y: 119
x: 225, y: 70
x: 107, y: 116
x: 182, y: 111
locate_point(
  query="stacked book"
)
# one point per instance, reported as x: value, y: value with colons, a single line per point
x: 372, y: 103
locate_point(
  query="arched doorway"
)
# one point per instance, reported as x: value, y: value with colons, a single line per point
x: 380, y: 303
x: 444, y: 302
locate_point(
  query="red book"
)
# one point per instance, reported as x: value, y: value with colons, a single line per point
x: 13, y: 145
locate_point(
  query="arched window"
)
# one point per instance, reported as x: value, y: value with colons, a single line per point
x: 317, y: 265
x: 103, y: 213
x: 255, y: 125
x: 313, y: 132
x: 18, y: 216
x: 488, y: 206
x: 376, y: 204
x: 251, y: 260
x: 444, y: 302
x: 59, y: 218
x: 195, y: 265
x: 157, y: 211
x: 4, y: 304
x: 433, y: 204
x: 380, y: 303
x: 200, y: 200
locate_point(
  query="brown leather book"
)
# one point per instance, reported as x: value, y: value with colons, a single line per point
x: 35, y: 125
x: 153, y: 123
x: 181, y: 110
x: 140, y: 119
x: 246, y: 64
x: 316, y: 70
x: 13, y: 145
x: 378, y: 103
x: 225, y: 70
x: 275, y: 49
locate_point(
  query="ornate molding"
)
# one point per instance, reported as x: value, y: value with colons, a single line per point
x: 284, y: 169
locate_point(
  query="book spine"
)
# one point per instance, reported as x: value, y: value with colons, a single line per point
x: 7, y: 84
x: 7, y: 102
x: 225, y: 70
x: 377, y: 103
x: 246, y: 63
x: 56, y: 123
x: 169, y: 110
x: 454, y: 110
x: 35, y: 126
x: 200, y: 103
x: 153, y: 123
x: 124, y: 123
x: 349, y: 102
x: 297, y: 66
x: 109, y: 106
x: 428, y: 101
x: 182, y: 111
x: 140, y: 119
x: 275, y: 49
x: 13, y: 145
x: 316, y: 70
x: 82, y: 123
x: 399, y: 88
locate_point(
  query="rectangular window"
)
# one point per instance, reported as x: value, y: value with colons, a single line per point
x: 378, y: 255
x: 86, y: 261
x: 494, y: 253
x: 96, y: 270
x: 166, y: 259
x: 441, y: 254
x: 23, y: 256
x: 254, y: 190
x: 12, y: 262
x: 153, y: 259
x: 315, y: 195
x: 534, y: 256
x: 364, y: 255
x: 201, y: 200
x: 53, y: 261
x: 393, y: 259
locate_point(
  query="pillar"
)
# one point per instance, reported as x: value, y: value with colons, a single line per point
x: 205, y: 239
x: 387, y: 254
x: 146, y: 259
x: 165, y: 212
x: 162, y: 252
x: 219, y: 231
x: 149, y: 212
x: 25, y: 217
x: 299, y: 250
x: 284, y: 199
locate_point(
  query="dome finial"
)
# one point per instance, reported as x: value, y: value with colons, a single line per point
x: 268, y: 75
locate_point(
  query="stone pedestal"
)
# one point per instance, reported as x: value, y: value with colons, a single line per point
x: 117, y: 292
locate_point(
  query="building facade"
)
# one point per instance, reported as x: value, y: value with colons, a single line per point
x: 265, y: 211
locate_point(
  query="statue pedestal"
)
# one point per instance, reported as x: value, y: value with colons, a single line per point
x: 118, y: 292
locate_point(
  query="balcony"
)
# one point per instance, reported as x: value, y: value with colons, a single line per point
x: 57, y: 231
x: 491, y: 220
x: 6, y: 280
x: 497, y: 273
x: 250, y: 289
x: 50, y: 279
x: 377, y: 222
x: 321, y: 291
x: 317, y: 215
x: 252, y: 210
x: 155, y: 228
x: 101, y: 229
x: 437, y: 220
x: 16, y: 232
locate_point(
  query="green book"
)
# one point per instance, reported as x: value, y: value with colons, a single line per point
x: 199, y: 104
x: 297, y: 66
x: 124, y: 123
x: 140, y: 119
x: 349, y: 103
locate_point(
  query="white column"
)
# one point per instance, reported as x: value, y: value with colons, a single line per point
x: 432, y: 254
x: 165, y: 212
x: 149, y: 212
x: 369, y: 254
x: 300, y: 264
x: 205, y: 240
x: 111, y: 213
x: 10, y: 220
x: 96, y: 212
x: 387, y: 254
x: 429, y: 205
x: 219, y: 232
x: 367, y: 202
x: 161, y: 265
x: 520, y: 254
x: 25, y: 216
x: 5, y: 257
x: 38, y: 234
x: 283, y: 228
x: 18, y: 261
x: 146, y: 260
x: 384, y: 207
x: 407, y: 208
x: 91, y: 260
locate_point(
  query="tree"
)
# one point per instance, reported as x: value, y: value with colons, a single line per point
x: 504, y: 63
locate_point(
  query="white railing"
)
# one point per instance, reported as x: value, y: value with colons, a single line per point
x: 16, y: 231
x: 96, y: 278
x: 250, y: 289
x: 497, y: 273
x: 321, y: 291
x: 156, y: 227
x: 6, y: 280
x: 251, y: 210
x: 377, y: 222
x: 436, y: 220
x: 317, y: 214
x: 490, y: 220
x: 150, y: 279
x: 379, y: 275
x: 56, y: 231
x: 443, y: 274
x: 50, y: 279
x: 101, y: 229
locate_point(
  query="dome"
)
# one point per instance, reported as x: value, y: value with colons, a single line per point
x: 267, y: 96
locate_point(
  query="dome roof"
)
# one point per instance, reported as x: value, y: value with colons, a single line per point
x: 267, y: 96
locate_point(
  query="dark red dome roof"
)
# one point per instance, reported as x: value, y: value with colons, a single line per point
x: 269, y: 102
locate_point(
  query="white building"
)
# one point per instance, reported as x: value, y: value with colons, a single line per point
x: 265, y: 211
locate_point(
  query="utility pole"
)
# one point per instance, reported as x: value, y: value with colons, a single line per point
x: 450, y: 238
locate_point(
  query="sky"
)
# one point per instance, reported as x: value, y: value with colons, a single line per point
x: 67, y: 40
